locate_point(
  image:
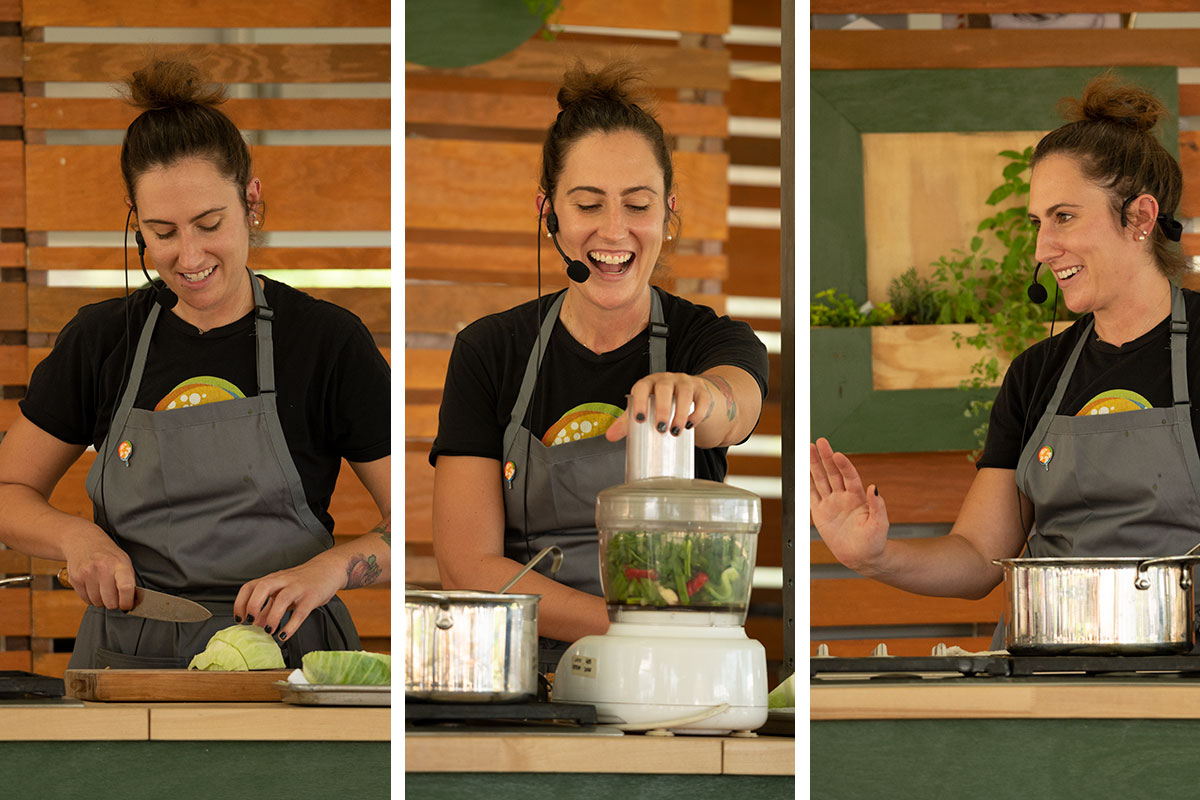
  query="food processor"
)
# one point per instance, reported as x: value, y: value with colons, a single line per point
x: 676, y: 562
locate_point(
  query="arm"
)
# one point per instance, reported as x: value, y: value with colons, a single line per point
x: 727, y: 404
x: 363, y: 561
x: 853, y: 522
x: 31, y: 464
x: 468, y: 543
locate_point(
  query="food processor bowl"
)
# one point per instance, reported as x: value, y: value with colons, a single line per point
x: 677, y: 551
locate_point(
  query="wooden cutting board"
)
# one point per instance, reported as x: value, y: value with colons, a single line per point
x: 174, y: 685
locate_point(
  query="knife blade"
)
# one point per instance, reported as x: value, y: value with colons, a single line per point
x: 150, y: 604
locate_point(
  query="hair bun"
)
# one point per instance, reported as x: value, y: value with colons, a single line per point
x: 617, y: 82
x: 167, y: 84
x: 1107, y: 99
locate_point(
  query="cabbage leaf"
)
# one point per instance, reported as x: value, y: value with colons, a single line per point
x: 347, y: 667
x: 239, y: 648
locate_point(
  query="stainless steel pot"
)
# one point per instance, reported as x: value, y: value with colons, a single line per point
x: 470, y: 647
x: 1128, y: 606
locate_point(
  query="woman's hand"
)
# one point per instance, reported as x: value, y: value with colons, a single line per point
x: 100, y: 572
x: 851, y: 520
x: 722, y: 404
x: 300, y: 589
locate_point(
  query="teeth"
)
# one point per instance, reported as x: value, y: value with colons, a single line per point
x: 605, y: 258
x: 1066, y: 273
x: 198, y: 276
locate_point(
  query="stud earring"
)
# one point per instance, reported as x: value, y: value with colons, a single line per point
x: 1142, y: 238
x: 548, y: 234
x: 669, y: 237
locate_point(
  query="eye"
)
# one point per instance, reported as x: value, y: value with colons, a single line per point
x: 210, y: 230
x: 166, y: 235
x: 638, y: 209
x: 592, y: 207
x: 1063, y: 216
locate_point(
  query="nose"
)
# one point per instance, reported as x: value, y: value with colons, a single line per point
x: 191, y: 251
x: 1047, y: 247
x: 613, y: 224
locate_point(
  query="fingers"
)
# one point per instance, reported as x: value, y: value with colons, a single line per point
x: 685, y: 391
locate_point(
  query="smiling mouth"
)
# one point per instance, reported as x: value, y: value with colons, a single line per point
x: 611, y: 263
x: 196, y: 277
x: 1062, y: 275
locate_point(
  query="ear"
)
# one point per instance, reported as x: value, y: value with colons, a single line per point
x: 671, y: 202
x: 542, y: 203
x: 1143, y: 213
x: 254, y: 191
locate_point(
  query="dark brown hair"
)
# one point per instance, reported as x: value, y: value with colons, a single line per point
x: 180, y: 120
x: 606, y: 100
x: 1111, y: 135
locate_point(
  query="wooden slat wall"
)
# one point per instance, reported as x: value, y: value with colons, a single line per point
x: 473, y: 138
x: 310, y: 187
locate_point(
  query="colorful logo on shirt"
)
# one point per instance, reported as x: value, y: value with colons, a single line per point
x: 1114, y: 401
x: 582, y: 422
x: 198, y: 392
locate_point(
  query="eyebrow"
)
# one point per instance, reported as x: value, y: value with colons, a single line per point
x: 199, y: 216
x: 624, y: 192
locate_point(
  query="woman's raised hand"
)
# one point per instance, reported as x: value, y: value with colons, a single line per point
x: 852, y: 520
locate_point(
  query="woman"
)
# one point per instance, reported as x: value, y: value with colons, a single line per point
x: 503, y: 487
x: 1086, y: 453
x: 220, y: 407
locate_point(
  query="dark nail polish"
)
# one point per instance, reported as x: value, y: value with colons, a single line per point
x: 662, y: 427
x: 689, y: 425
x: 877, y: 491
x: 675, y: 431
x: 238, y: 620
x: 282, y: 636
x: 268, y: 629
x: 250, y: 618
x: 641, y: 417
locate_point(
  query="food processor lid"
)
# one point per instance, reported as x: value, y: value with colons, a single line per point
x: 688, y: 503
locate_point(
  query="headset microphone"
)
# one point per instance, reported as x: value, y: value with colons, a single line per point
x: 166, y: 298
x: 576, y: 270
x: 1036, y: 292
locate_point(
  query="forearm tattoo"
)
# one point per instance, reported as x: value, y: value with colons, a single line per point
x: 384, y: 529
x: 362, y: 571
x: 726, y: 391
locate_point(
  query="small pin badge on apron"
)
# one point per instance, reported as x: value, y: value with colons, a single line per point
x: 510, y: 470
x: 124, y: 451
x: 1044, y: 456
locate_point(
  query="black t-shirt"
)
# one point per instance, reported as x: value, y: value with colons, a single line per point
x: 488, y: 363
x: 333, y: 385
x: 1107, y: 379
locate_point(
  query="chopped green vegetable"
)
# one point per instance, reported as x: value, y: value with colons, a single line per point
x: 347, y: 667
x: 676, y: 569
x: 239, y: 648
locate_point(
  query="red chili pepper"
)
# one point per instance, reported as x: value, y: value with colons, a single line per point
x: 633, y: 572
x: 696, y: 583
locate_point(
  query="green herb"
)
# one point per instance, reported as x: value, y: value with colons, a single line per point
x: 676, y: 569
x: 838, y: 310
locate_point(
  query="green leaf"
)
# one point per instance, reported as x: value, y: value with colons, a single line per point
x: 999, y: 193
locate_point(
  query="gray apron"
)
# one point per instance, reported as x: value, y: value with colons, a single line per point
x: 202, y: 499
x: 561, y: 483
x: 1125, y: 484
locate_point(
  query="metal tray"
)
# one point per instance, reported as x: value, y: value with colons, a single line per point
x: 306, y: 694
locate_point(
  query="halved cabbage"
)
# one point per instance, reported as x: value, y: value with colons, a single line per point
x: 347, y: 667
x: 239, y: 648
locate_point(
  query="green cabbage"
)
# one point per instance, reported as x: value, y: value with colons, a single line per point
x: 347, y: 667
x: 783, y: 695
x: 239, y: 647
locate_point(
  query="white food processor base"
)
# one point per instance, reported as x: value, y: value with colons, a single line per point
x: 698, y: 680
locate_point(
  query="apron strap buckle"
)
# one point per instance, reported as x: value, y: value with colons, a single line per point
x: 1179, y: 326
x: 264, y: 312
x: 658, y: 329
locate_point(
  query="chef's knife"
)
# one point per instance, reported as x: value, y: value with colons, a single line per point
x: 146, y: 602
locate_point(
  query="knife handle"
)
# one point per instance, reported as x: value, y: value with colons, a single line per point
x: 64, y: 579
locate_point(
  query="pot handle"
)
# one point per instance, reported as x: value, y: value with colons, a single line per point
x: 1185, y: 579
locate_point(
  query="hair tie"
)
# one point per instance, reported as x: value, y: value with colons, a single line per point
x: 1171, y: 227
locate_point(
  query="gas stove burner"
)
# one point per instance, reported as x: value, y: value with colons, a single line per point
x: 1004, y: 666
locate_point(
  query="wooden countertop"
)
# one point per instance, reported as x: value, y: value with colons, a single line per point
x: 194, y: 722
x: 981, y: 698
x: 583, y: 753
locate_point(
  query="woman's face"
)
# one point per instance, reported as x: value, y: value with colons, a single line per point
x: 612, y: 212
x: 1080, y: 238
x: 197, y: 235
